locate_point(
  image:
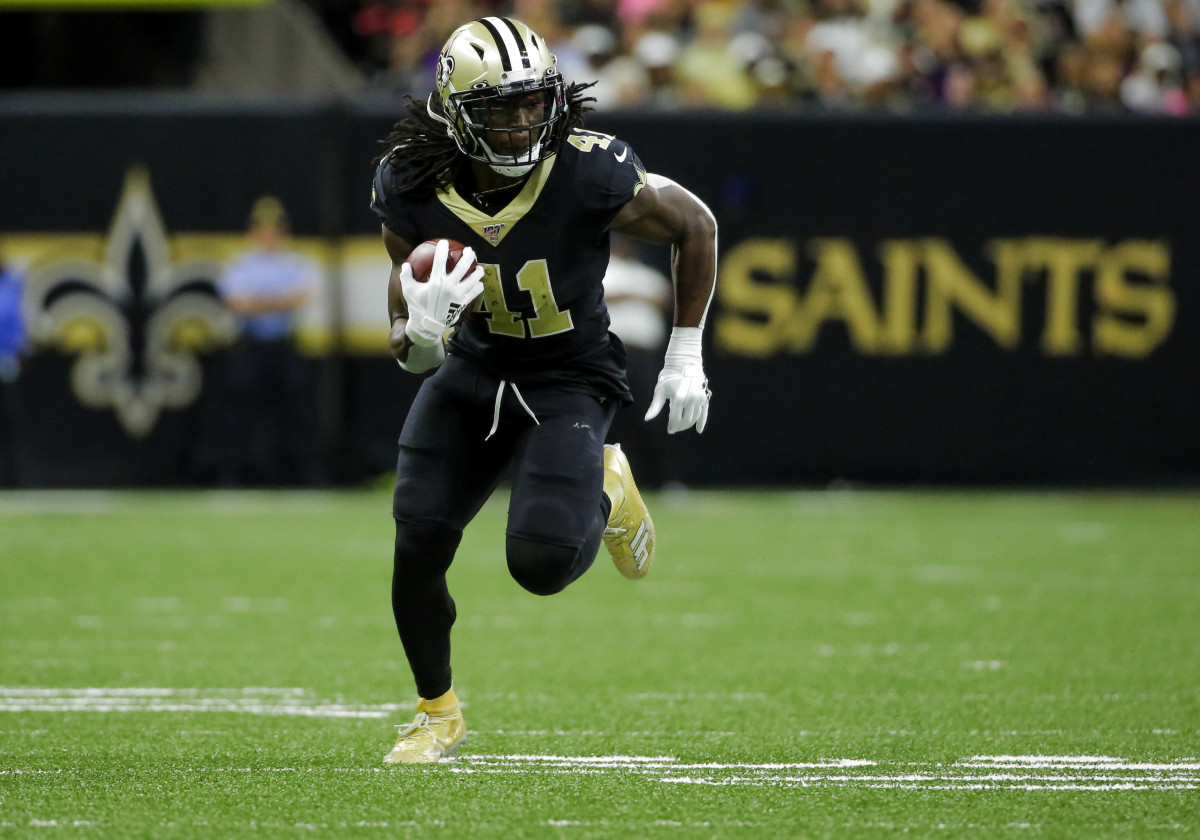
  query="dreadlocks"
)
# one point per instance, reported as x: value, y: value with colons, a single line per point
x: 426, y: 158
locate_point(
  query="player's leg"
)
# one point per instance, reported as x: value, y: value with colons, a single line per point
x: 557, y: 512
x: 445, y: 472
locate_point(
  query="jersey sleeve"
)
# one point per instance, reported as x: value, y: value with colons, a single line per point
x: 610, y: 173
x: 388, y: 206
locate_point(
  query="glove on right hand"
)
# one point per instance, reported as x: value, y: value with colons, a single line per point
x: 436, y: 305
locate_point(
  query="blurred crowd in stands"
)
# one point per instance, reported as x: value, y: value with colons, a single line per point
x: 989, y: 56
x: 986, y: 56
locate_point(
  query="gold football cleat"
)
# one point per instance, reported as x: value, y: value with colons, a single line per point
x: 436, y: 732
x: 629, y: 536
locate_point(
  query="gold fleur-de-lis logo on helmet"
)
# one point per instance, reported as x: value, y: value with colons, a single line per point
x: 444, y: 70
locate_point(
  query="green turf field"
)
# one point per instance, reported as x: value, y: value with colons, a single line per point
x: 828, y: 664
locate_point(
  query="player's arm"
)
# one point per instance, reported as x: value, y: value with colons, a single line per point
x: 665, y: 213
x: 414, y: 358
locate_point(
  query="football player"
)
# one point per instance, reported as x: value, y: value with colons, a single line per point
x: 496, y: 158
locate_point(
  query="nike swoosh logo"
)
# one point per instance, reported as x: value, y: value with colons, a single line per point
x: 621, y: 157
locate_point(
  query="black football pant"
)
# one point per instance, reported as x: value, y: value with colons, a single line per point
x: 449, y: 466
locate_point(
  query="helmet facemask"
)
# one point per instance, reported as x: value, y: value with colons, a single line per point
x: 511, y: 127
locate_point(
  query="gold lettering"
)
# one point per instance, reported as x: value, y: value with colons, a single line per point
x: 1151, y: 302
x: 1064, y: 260
x: 838, y: 290
x: 754, y: 315
x: 762, y: 313
x: 901, y: 259
x: 951, y: 284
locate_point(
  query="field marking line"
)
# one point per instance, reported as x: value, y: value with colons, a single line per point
x: 876, y: 785
x: 1025, y: 773
x: 974, y: 772
x: 252, y: 700
x: 852, y: 773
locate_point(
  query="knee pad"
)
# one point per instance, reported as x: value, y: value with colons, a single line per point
x: 539, y: 567
x: 424, y: 551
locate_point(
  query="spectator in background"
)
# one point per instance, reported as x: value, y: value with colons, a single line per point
x: 854, y: 56
x: 639, y: 300
x: 639, y: 16
x: 1144, y: 18
x: 999, y: 73
x: 580, y: 12
x: 1156, y: 86
x: 12, y: 325
x: 709, y: 72
x: 1070, y: 74
x: 383, y: 28
x: 656, y: 53
x: 1191, y: 90
x: 12, y: 343
x: 621, y: 81
x: 405, y: 38
x: 1183, y: 21
x: 1102, y: 82
x: 271, y: 420
x: 997, y: 56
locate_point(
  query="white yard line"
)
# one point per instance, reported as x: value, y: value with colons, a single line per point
x: 1022, y: 773
x: 252, y: 700
x: 975, y: 772
x: 1077, y: 774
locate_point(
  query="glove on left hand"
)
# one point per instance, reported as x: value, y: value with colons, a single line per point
x: 682, y: 383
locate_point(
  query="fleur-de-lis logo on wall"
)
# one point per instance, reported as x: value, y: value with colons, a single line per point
x: 135, y: 319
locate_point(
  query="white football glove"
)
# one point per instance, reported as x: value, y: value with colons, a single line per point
x: 682, y: 383
x: 435, y: 306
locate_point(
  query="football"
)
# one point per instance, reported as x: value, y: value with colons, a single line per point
x: 421, y: 262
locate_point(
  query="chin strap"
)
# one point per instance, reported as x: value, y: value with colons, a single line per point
x: 514, y: 171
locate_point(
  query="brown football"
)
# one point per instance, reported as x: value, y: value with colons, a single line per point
x: 421, y: 262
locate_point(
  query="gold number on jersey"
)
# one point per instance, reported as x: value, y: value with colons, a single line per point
x: 585, y: 141
x: 547, y: 318
x: 502, y: 321
x: 533, y: 278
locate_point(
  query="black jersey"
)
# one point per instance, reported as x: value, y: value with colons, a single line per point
x: 542, y: 318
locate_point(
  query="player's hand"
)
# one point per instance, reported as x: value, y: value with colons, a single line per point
x: 682, y: 383
x: 436, y: 305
